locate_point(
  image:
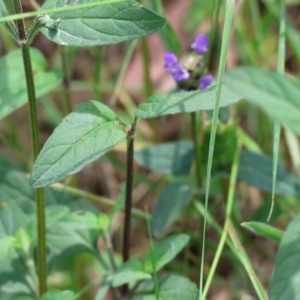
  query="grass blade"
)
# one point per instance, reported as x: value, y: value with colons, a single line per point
x: 226, y: 37
x: 277, y: 126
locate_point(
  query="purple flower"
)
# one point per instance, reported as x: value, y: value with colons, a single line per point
x: 170, y: 60
x: 179, y: 73
x: 205, y: 82
x: 200, y: 45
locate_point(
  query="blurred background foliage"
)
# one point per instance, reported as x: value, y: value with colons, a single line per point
x: 125, y: 83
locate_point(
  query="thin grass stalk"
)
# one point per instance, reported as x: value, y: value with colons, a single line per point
x: 258, y: 29
x: 195, y: 124
x: 35, y: 139
x: 229, y: 13
x: 229, y: 205
x: 235, y: 246
x: 148, y: 87
x: 277, y: 126
x: 104, y: 202
x: 215, y: 23
x: 97, y: 74
x: 66, y: 80
x: 123, y: 68
x: 241, y: 253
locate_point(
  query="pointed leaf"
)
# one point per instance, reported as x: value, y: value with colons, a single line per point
x: 13, y: 88
x: 130, y: 272
x: 165, y: 251
x: 170, y: 159
x: 177, y: 288
x: 3, y: 11
x: 161, y: 105
x: 17, y: 209
x: 104, y: 24
x: 82, y: 137
x: 276, y: 94
x: 264, y: 230
x: 170, y: 207
x: 286, y: 273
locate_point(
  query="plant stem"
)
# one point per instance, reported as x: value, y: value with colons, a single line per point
x: 41, y: 227
x: 66, y: 80
x: 97, y: 74
x: 229, y: 205
x: 146, y: 59
x: 195, y: 135
x: 105, y: 202
x: 123, y: 68
x: 129, y: 188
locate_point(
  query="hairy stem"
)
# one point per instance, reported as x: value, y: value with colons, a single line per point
x: 129, y: 188
x: 41, y: 227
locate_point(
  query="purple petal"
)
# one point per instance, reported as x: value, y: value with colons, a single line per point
x: 179, y: 73
x: 200, y: 45
x: 170, y: 60
x: 205, y: 82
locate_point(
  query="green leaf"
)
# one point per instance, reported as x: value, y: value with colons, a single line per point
x: 104, y: 288
x: 13, y: 88
x: 7, y: 242
x: 24, y: 240
x: 276, y: 94
x: 58, y: 295
x: 165, y: 251
x: 130, y: 272
x: 177, y: 288
x: 54, y: 213
x: 170, y: 207
x: 17, y: 209
x: 82, y: 137
x: 264, y: 230
x: 3, y: 11
x: 74, y: 234
x: 170, y: 159
x: 286, y: 273
x: 161, y: 105
x: 255, y: 169
x: 100, y: 25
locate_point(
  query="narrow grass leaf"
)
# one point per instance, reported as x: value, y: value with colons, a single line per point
x: 286, y: 273
x: 13, y: 88
x: 240, y: 252
x: 99, y: 25
x: 169, y: 159
x: 82, y: 137
x: 165, y: 251
x: 3, y: 11
x: 277, y: 126
x: 161, y: 105
x: 276, y: 94
x: 264, y: 230
x: 218, y: 96
x: 292, y: 33
x: 170, y: 207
